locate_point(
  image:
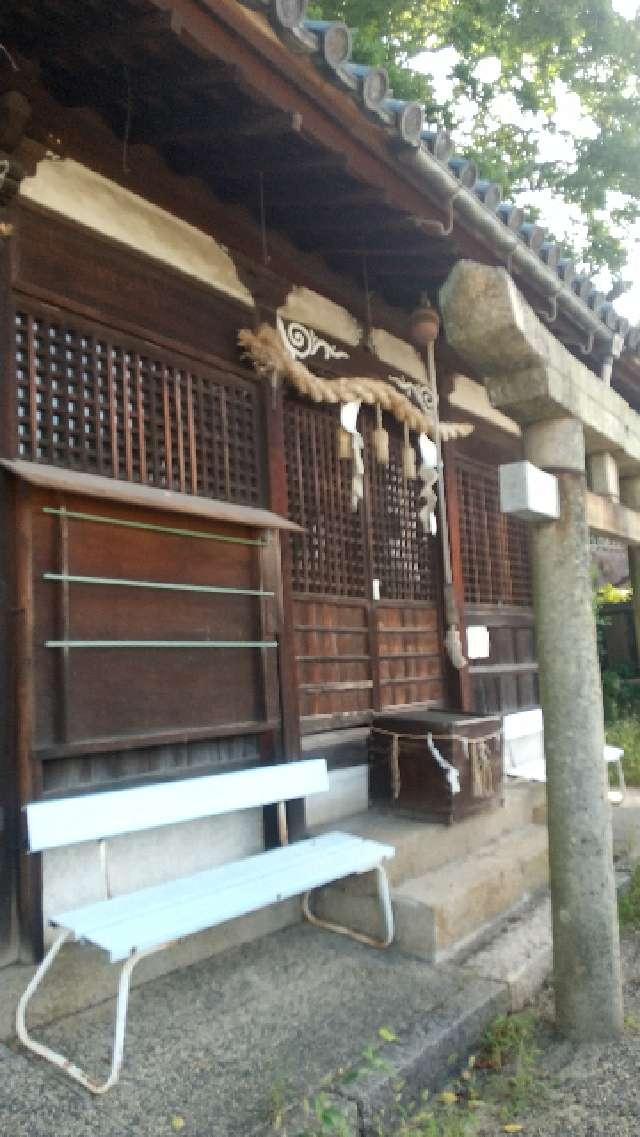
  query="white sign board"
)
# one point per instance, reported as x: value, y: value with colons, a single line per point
x: 478, y: 645
x: 528, y: 492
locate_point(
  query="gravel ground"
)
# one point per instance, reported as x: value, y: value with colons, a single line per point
x: 585, y: 1091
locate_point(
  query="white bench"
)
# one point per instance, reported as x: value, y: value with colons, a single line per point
x: 526, y: 727
x: 134, y: 925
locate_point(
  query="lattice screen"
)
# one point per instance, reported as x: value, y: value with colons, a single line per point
x: 404, y: 557
x: 331, y: 558
x: 495, y: 547
x: 328, y: 559
x: 96, y: 401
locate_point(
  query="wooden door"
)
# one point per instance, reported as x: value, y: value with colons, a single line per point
x: 366, y: 583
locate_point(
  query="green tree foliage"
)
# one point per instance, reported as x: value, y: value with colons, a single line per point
x: 584, y: 44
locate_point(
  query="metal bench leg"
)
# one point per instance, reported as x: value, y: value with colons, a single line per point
x: 384, y: 898
x: 64, y: 1064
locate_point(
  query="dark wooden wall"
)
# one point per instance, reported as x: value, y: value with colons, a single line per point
x: 496, y: 584
x: 619, y: 646
x: 508, y: 679
x: 106, y: 700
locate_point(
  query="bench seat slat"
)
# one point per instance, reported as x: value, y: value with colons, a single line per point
x: 166, y: 912
x: 91, y: 817
x: 91, y: 918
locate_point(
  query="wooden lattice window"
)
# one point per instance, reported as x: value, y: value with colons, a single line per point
x: 328, y: 558
x: 494, y: 546
x: 384, y: 538
x: 404, y: 557
x: 91, y: 399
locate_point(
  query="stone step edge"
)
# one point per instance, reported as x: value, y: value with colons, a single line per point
x: 422, y: 1059
x: 487, y: 849
x: 517, y: 947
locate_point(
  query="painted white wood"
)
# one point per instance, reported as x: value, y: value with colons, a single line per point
x: 53, y: 824
x: 519, y: 724
x: 154, y: 916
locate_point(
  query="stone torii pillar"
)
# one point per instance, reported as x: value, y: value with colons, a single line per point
x: 585, y: 927
x: 558, y: 402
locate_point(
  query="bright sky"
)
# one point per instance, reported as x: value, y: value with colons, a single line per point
x: 570, y: 122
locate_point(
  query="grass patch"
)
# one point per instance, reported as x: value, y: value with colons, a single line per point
x: 496, y: 1088
x: 509, y: 1040
x: 626, y: 733
x: 629, y: 902
x: 510, y: 1051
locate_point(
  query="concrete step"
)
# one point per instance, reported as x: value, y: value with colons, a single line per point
x: 423, y: 845
x: 451, y: 905
x: 447, y: 906
x: 518, y: 952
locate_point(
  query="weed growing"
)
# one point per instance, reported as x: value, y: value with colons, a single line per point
x: 626, y: 734
x: 629, y: 902
x: 497, y: 1086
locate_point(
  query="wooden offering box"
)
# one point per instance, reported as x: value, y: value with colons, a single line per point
x: 406, y: 774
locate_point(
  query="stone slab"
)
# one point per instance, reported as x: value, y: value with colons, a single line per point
x: 528, y: 373
x: 466, y: 895
x: 219, y: 1043
x: 422, y: 845
x: 625, y: 819
x: 519, y: 954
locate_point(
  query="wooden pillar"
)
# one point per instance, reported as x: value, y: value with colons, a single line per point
x: 28, y: 774
x: 460, y: 683
x: 269, y: 293
x: 9, y: 798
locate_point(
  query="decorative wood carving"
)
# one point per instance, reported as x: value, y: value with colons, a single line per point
x: 303, y: 342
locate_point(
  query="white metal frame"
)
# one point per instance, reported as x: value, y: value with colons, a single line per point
x: 386, y: 909
x: 98, y: 816
x: 77, y: 1074
x: 43, y: 1051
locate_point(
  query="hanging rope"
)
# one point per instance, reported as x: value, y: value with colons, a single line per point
x: 484, y: 782
x: 452, y: 639
x: 271, y: 360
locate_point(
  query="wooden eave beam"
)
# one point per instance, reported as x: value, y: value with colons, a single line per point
x: 329, y: 116
x: 239, y: 170
x: 239, y: 37
x: 320, y: 204
x: 207, y: 135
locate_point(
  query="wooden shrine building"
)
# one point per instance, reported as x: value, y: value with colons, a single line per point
x: 206, y: 563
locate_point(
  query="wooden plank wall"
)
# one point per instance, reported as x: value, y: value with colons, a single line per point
x: 345, y: 674
x: 508, y: 679
x: 333, y: 655
x: 107, y: 701
x: 411, y: 664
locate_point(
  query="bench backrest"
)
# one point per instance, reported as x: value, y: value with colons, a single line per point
x: 92, y: 817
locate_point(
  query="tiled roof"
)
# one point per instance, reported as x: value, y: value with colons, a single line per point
x: 426, y: 147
